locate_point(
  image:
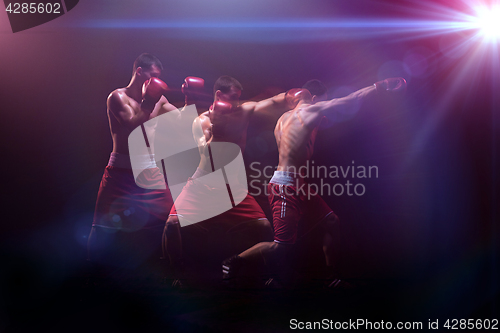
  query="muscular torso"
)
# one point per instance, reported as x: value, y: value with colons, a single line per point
x: 296, y: 129
x: 295, y: 135
x: 227, y: 128
x: 120, y: 132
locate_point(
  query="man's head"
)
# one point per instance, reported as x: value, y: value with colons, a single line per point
x: 147, y: 66
x: 227, y: 89
x: 297, y: 96
x: 317, y: 89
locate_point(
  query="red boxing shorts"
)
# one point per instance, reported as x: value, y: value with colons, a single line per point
x: 122, y: 204
x: 194, y: 193
x: 290, y: 203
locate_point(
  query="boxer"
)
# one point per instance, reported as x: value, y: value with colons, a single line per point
x: 295, y: 135
x: 245, y: 224
x: 128, y: 219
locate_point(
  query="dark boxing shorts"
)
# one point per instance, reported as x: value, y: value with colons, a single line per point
x: 194, y: 193
x: 290, y: 203
x: 124, y: 205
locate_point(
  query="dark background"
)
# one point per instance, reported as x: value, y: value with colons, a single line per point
x: 430, y: 219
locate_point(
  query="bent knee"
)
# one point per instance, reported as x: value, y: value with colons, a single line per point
x: 263, y: 224
x: 259, y: 226
x: 332, y: 219
x: 281, y: 248
x: 265, y: 230
x: 331, y: 223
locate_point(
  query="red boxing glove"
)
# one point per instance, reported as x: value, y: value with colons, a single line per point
x: 152, y: 90
x: 192, y: 85
x: 192, y: 88
x: 393, y: 85
x: 218, y: 109
x: 295, y: 95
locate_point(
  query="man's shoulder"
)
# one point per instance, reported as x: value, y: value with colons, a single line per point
x: 119, y: 91
x: 119, y: 100
x: 203, y: 118
x: 119, y: 94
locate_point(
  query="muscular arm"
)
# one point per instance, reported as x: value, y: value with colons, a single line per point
x: 202, y: 130
x: 120, y: 108
x: 163, y: 106
x: 274, y: 106
x: 129, y: 117
x: 338, y: 108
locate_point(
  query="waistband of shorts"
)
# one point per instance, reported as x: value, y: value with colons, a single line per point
x: 286, y: 178
x: 141, y: 162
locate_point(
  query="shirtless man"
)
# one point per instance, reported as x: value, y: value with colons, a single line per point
x: 245, y: 224
x: 295, y: 134
x: 128, y: 220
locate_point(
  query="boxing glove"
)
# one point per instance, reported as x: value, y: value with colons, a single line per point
x: 218, y: 109
x: 192, y: 88
x: 394, y: 85
x: 152, y: 90
x: 295, y: 95
x: 192, y: 85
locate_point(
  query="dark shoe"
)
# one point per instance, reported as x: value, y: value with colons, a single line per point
x: 338, y: 285
x: 179, y: 284
x: 273, y: 284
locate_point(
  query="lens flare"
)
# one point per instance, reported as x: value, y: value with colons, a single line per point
x: 488, y: 21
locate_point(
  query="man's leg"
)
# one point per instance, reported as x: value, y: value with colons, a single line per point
x: 331, y: 248
x: 331, y: 243
x: 246, y: 234
x: 172, y: 246
x: 274, y: 255
x: 256, y: 237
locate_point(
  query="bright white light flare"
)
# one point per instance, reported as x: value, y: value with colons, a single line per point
x: 488, y: 21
